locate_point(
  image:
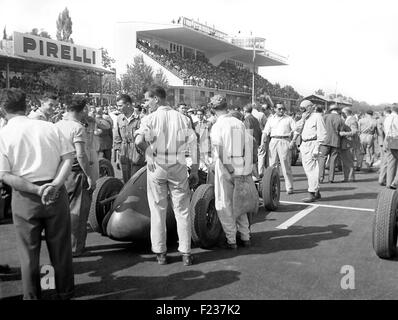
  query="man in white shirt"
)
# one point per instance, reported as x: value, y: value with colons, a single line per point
x: 277, y: 139
x: 391, y: 131
x: 228, y: 139
x: 168, y: 134
x: 313, y: 133
x: 35, y: 160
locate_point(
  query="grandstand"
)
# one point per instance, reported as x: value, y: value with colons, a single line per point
x: 200, y: 61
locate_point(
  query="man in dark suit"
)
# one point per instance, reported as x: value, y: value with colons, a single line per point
x: 334, y: 124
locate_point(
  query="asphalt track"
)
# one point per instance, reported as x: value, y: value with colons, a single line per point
x: 300, y: 251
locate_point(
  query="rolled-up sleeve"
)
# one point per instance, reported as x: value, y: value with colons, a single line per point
x: 4, y: 162
x: 66, y: 147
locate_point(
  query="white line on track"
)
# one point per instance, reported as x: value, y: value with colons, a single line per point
x: 297, y: 217
x: 327, y: 206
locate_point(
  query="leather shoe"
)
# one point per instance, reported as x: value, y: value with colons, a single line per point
x: 230, y: 246
x: 161, y: 258
x: 317, y: 195
x: 311, y: 198
x: 289, y: 192
x: 187, y: 259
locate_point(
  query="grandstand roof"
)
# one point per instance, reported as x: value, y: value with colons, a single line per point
x: 211, y: 44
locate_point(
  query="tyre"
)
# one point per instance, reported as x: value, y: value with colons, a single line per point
x: 271, y: 188
x: 106, y: 187
x: 385, y: 224
x: 106, y: 168
x: 206, y: 227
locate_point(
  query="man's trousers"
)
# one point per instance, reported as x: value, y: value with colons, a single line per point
x: 310, y: 164
x: 279, y: 149
x: 347, y: 160
x: 79, y: 204
x: 30, y: 218
x: 167, y: 178
x: 392, y: 161
x: 224, y: 189
x: 324, y: 152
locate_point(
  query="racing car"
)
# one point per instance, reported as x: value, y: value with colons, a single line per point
x: 121, y: 212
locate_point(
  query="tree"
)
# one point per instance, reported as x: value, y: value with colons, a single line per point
x: 4, y: 33
x: 161, y: 79
x: 320, y: 92
x: 43, y: 33
x: 64, y: 26
x: 107, y: 61
x: 138, y: 76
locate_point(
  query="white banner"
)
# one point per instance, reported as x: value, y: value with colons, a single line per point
x: 29, y: 46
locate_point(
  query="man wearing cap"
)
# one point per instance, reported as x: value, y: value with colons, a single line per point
x: 233, y: 157
x: 278, y: 132
x: 166, y: 134
x: 313, y: 133
x: 330, y: 147
x: 367, y: 130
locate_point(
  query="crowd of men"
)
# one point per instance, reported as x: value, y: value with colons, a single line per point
x: 49, y: 156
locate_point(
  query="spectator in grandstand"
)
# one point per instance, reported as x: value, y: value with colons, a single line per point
x: 103, y: 134
x: 225, y: 170
x: 130, y: 157
x: 35, y: 160
x: 80, y: 182
x: 167, y: 171
x: 48, y: 103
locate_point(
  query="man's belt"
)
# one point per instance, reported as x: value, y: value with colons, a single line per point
x: 280, y: 137
x: 310, y: 139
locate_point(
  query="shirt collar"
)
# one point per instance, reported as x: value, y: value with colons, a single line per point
x: 16, y: 119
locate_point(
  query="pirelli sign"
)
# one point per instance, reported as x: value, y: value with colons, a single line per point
x: 29, y: 46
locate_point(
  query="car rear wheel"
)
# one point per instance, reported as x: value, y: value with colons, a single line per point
x: 105, y: 193
x: 206, y: 227
x: 106, y: 168
x: 385, y: 224
x: 271, y: 188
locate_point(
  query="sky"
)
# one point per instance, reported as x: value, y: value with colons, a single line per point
x: 344, y: 46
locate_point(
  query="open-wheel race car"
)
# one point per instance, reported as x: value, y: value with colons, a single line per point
x: 385, y: 226
x: 121, y: 212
